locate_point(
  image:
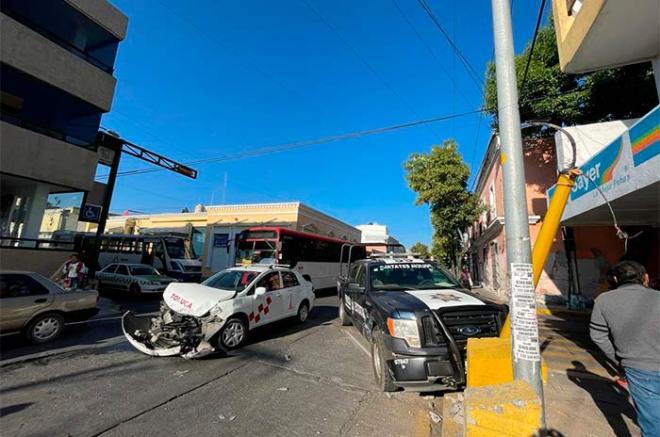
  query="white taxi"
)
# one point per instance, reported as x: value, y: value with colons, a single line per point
x: 198, y: 319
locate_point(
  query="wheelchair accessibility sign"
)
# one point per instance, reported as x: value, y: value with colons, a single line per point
x: 90, y: 213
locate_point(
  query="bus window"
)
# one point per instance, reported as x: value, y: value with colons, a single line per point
x: 113, y: 245
x: 139, y: 246
x: 176, y: 249
x: 127, y: 246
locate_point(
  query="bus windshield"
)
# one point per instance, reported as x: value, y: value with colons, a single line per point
x: 177, y: 249
x: 260, y: 251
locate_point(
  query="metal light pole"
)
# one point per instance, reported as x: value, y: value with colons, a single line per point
x: 524, y: 323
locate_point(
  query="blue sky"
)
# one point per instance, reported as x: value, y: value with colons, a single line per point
x: 206, y: 79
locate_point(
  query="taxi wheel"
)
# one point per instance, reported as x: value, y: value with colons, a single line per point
x: 303, y: 312
x: 343, y: 316
x: 233, y: 335
x: 134, y: 288
x: 379, y: 354
x: 45, y: 327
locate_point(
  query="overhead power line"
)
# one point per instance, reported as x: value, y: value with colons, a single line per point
x: 426, y: 45
x: 468, y: 66
x: 261, y: 151
x: 539, y: 17
x: 361, y: 58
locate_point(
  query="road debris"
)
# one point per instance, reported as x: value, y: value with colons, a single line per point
x: 286, y: 357
x: 282, y: 389
x: 435, y: 417
x: 181, y: 372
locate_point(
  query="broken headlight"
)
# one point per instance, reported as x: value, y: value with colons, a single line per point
x: 405, y: 329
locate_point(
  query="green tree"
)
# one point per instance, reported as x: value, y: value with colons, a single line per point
x: 570, y: 99
x: 421, y: 248
x: 440, y: 180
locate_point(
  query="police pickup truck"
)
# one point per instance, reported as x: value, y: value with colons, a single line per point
x: 417, y: 318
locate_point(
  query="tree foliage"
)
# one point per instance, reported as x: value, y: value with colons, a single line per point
x: 570, y: 99
x: 422, y: 249
x: 440, y: 180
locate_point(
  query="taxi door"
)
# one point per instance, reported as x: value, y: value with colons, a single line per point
x: 270, y: 306
x: 291, y: 293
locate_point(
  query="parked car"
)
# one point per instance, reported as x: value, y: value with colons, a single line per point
x: 134, y: 278
x: 35, y: 305
x: 198, y: 319
x: 417, y: 318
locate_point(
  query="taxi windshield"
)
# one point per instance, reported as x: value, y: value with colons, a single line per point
x: 144, y: 271
x: 233, y: 280
x: 410, y: 276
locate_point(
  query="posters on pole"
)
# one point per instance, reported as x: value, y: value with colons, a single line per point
x: 524, y: 324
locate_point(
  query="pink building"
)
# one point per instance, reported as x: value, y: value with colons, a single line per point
x: 487, y: 237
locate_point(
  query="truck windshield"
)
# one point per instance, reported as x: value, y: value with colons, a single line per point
x: 412, y: 276
x: 235, y: 280
x: 260, y: 251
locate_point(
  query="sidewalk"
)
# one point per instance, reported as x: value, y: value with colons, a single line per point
x: 580, y: 396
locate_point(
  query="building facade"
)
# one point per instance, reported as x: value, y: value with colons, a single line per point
x: 487, y: 237
x: 207, y: 224
x: 56, y: 80
x: 377, y: 239
x: 613, y: 211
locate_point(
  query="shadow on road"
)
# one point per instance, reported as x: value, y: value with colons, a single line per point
x: 320, y: 315
x: 11, y: 409
x: 610, y: 399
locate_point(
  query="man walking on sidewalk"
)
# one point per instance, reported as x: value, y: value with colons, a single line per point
x: 625, y: 324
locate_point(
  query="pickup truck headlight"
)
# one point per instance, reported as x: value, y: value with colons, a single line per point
x: 404, y: 329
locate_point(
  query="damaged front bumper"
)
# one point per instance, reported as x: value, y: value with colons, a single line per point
x: 160, y: 336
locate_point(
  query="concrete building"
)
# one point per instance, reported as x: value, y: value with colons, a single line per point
x: 599, y: 34
x: 377, y: 239
x: 209, y: 223
x: 61, y: 219
x: 487, y: 237
x: 56, y: 79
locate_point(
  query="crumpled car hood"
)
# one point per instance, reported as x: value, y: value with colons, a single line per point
x: 194, y: 299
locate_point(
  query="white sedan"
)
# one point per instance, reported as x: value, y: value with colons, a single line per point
x: 134, y: 278
x: 198, y: 319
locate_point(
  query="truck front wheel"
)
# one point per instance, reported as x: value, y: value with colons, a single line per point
x: 379, y: 355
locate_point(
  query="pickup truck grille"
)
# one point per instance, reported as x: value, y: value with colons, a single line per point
x: 484, y: 323
x: 460, y: 323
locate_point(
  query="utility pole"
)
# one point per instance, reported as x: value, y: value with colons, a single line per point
x: 524, y: 323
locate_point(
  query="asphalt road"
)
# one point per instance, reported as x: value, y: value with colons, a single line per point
x: 300, y: 380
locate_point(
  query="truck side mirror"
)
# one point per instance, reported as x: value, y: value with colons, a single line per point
x: 354, y: 287
x: 260, y: 291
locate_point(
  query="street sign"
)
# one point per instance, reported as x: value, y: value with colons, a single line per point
x: 90, y: 213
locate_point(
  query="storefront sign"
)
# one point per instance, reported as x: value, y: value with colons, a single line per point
x: 627, y: 164
x: 645, y: 138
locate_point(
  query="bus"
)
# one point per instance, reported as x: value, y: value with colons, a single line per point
x: 170, y: 255
x: 310, y: 254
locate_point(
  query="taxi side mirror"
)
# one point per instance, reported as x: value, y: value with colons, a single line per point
x: 260, y: 291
